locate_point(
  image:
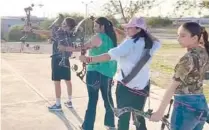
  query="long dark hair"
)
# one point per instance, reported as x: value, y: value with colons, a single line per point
x: 205, y: 39
x: 147, y: 38
x: 196, y: 30
x: 108, y: 28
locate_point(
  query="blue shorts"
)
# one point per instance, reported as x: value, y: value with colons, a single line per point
x: 59, y: 72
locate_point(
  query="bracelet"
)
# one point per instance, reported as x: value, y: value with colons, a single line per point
x: 89, y: 59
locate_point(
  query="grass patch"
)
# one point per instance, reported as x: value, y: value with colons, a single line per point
x: 169, y: 30
x: 163, y: 63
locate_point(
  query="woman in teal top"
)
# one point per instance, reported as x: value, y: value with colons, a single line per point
x: 100, y: 73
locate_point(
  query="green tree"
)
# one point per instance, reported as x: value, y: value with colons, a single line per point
x: 187, y: 7
x: 15, y: 33
x: 158, y: 22
x: 46, y: 23
x: 127, y: 11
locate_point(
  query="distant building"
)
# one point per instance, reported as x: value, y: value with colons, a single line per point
x: 7, y: 22
x: 178, y: 21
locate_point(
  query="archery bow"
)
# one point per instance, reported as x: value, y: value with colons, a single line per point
x: 167, y: 115
x: 120, y: 111
x: 81, y: 38
x: 27, y: 23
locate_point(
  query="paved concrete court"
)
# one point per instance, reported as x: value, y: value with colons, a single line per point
x: 27, y: 90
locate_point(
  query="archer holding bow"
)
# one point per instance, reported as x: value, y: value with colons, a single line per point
x: 190, y: 107
x: 61, y: 33
x: 127, y: 54
x: 104, y: 40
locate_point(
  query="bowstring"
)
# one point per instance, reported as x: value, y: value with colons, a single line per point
x: 120, y: 111
x: 83, y: 39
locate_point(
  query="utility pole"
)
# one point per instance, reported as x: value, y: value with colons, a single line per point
x: 40, y: 6
x: 86, y: 7
x: 86, y: 14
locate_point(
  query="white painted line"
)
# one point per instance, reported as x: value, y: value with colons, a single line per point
x: 36, y: 91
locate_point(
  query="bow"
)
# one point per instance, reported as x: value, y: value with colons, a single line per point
x: 80, y: 34
x: 120, y: 111
x: 27, y: 21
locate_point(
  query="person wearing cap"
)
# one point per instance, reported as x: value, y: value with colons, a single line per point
x: 127, y: 54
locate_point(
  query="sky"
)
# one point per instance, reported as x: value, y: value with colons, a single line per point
x: 52, y: 7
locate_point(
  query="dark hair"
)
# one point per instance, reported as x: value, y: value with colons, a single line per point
x: 108, y: 28
x: 204, y: 34
x: 196, y: 30
x: 147, y: 38
x: 70, y: 22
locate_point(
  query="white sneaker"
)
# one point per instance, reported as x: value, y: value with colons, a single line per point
x: 69, y: 104
x: 110, y: 128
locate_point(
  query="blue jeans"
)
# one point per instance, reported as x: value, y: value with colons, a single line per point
x: 91, y: 78
x: 188, y: 117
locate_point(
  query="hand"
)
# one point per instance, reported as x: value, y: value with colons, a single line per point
x: 61, y: 48
x: 83, y: 58
x: 156, y: 116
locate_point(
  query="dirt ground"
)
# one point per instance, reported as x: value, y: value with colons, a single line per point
x: 27, y: 90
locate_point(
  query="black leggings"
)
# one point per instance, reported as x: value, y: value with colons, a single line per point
x: 126, y: 98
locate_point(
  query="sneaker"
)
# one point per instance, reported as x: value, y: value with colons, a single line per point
x: 110, y: 128
x: 55, y: 108
x: 81, y: 128
x: 69, y: 104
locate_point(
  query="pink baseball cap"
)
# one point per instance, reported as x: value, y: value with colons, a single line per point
x: 136, y: 22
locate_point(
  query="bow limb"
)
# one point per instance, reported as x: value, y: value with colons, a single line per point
x: 120, y: 111
x: 27, y: 21
x: 80, y: 33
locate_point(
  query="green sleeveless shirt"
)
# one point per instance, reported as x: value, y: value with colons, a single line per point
x: 107, y: 68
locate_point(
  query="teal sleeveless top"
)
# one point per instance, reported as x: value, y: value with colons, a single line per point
x: 107, y: 68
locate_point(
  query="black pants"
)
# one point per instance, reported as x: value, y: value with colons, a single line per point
x: 59, y: 72
x: 91, y: 78
x: 126, y: 98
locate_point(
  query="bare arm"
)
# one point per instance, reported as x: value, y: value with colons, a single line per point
x: 95, y: 41
x: 167, y: 96
x: 101, y: 58
x: 158, y: 115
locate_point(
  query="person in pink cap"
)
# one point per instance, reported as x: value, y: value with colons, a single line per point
x: 127, y: 54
